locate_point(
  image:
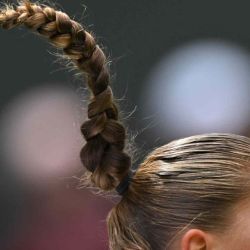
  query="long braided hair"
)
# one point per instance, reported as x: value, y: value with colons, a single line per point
x: 103, y: 154
x: 192, y: 182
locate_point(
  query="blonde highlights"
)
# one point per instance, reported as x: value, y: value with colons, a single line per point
x: 103, y: 155
x: 190, y: 182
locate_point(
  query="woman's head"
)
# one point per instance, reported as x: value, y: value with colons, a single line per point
x: 190, y: 183
x: 187, y: 194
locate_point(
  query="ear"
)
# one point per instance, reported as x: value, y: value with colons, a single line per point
x: 195, y: 239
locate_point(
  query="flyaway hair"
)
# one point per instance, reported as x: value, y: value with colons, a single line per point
x: 103, y: 155
x: 192, y: 182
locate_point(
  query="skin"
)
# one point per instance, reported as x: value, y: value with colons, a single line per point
x: 236, y: 237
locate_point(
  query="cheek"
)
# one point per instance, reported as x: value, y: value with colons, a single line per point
x: 242, y: 237
x: 239, y: 240
x: 238, y: 236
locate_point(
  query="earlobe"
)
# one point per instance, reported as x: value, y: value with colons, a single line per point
x: 194, y: 239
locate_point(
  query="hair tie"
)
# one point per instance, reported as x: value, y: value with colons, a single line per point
x: 124, y: 184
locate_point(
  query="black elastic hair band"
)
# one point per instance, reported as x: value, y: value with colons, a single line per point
x: 124, y: 184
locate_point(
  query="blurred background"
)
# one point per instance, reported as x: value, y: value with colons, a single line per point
x: 179, y: 68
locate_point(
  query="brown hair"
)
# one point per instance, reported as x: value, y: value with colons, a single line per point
x: 190, y: 182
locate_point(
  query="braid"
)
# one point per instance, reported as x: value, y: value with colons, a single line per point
x: 103, y: 154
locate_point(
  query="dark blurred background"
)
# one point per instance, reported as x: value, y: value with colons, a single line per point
x: 179, y: 68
